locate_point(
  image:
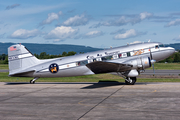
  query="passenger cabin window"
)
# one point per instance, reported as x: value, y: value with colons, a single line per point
x: 107, y: 58
x: 124, y: 55
x: 82, y: 63
x: 120, y: 55
x: 115, y: 56
x: 98, y: 59
x: 94, y: 60
x: 103, y: 59
x: 128, y: 54
x: 90, y: 60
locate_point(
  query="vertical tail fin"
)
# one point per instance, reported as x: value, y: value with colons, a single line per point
x: 19, y: 58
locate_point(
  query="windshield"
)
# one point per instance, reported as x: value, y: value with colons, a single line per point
x: 161, y: 45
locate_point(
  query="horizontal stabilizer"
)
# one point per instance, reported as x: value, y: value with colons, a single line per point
x: 23, y: 74
x: 106, y: 67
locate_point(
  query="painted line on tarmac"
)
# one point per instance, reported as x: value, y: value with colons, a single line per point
x: 100, y: 102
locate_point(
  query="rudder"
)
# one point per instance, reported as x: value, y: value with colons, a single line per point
x: 20, y: 58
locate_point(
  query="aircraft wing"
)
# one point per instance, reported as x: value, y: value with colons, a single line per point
x: 106, y: 67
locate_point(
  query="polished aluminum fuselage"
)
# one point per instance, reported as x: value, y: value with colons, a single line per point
x: 68, y: 65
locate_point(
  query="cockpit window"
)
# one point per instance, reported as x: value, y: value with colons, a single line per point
x: 156, y: 46
x: 162, y: 45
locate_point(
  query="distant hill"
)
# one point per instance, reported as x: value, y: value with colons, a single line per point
x: 53, y: 49
x: 175, y: 45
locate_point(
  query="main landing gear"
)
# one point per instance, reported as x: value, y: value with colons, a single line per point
x: 130, y: 80
x: 33, y: 80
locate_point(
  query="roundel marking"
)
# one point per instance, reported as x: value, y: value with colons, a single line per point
x: 53, y: 68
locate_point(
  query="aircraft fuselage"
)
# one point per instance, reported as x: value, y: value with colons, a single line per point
x: 76, y: 65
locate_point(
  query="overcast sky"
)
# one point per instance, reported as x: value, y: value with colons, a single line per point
x: 95, y: 23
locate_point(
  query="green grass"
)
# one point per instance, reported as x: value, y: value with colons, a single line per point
x: 166, y: 66
x: 4, y: 66
x: 89, y: 78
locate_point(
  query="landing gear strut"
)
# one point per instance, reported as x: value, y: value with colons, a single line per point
x: 130, y: 80
x: 33, y: 80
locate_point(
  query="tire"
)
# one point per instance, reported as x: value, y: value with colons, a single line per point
x: 30, y: 81
x: 133, y: 81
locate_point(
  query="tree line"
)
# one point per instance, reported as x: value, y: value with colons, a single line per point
x: 4, y: 58
x: 43, y: 55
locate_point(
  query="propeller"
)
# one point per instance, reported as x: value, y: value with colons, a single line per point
x: 152, y: 61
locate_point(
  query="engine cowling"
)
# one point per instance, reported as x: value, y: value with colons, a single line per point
x: 140, y: 63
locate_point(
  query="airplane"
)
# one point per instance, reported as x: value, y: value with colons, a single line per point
x: 128, y: 61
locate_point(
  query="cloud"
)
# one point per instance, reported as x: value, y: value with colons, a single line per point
x: 177, y: 38
x: 51, y: 18
x: 25, y: 34
x: 128, y: 34
x: 77, y: 20
x: 123, y: 20
x: 173, y: 23
x: 12, y: 6
x: 60, y: 13
x: 93, y: 34
x: 145, y: 15
x: 61, y: 33
x: 118, y: 31
x: 118, y: 22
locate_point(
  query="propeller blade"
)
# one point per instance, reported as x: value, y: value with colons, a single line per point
x: 150, y: 53
x: 152, y: 62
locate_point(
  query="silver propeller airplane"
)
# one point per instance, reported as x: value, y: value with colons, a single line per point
x: 128, y: 61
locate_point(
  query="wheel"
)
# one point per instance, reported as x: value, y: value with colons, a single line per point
x: 132, y: 81
x: 32, y: 82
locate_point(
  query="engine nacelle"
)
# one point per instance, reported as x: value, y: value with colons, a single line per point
x: 140, y: 63
x: 132, y: 73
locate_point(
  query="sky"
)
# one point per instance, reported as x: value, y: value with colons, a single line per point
x: 95, y: 23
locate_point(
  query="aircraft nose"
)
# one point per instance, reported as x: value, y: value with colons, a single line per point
x: 171, y: 51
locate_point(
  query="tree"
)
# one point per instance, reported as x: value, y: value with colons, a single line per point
x: 71, y: 53
x: 176, y: 57
x: 64, y: 54
x: 43, y: 55
x: 6, y: 60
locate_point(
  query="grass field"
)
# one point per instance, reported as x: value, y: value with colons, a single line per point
x: 166, y: 66
x: 157, y: 66
x: 89, y: 78
x: 94, y: 78
x: 3, y: 66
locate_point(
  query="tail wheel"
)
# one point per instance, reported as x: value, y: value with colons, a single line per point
x: 32, y: 82
x: 130, y: 80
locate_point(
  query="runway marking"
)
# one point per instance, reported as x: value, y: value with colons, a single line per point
x: 100, y: 102
x: 154, y: 91
x: 80, y: 102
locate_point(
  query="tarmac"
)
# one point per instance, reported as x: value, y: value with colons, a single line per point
x: 89, y: 101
